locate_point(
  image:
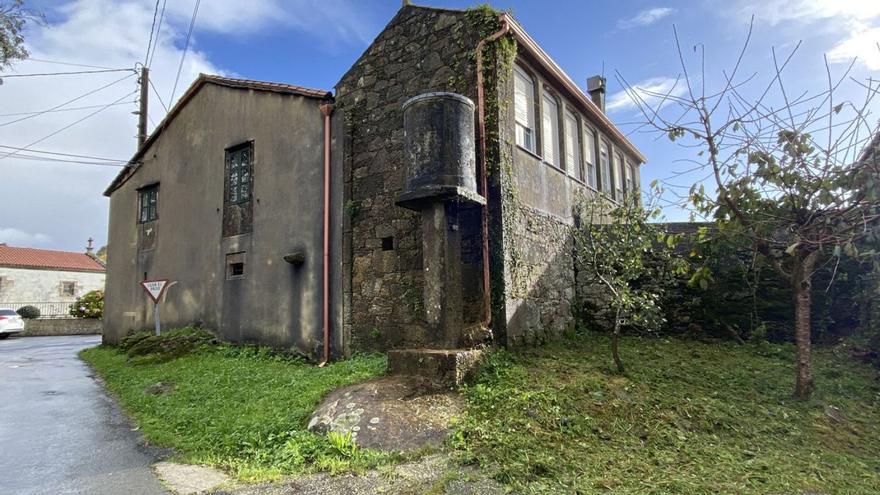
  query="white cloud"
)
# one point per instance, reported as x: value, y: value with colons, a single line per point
x: 65, y: 200
x: 645, y: 18
x: 20, y: 238
x: 854, y: 23
x: 650, y: 91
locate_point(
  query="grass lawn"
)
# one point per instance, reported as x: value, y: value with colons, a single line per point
x: 238, y: 408
x: 688, y: 417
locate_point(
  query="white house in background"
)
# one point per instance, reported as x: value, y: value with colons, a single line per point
x: 49, y: 280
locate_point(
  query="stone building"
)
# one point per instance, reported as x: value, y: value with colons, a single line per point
x: 49, y: 280
x: 543, y: 142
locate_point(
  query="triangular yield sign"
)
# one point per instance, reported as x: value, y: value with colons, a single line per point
x: 155, y: 288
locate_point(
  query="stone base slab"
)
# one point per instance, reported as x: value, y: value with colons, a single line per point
x: 449, y: 367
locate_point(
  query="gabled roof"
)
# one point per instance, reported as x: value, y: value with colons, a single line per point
x: 194, y: 88
x: 45, y: 259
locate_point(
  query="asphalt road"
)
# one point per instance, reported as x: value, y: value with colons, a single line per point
x: 59, y: 432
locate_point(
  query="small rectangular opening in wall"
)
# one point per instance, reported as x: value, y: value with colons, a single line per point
x: 388, y: 243
x: 235, y: 266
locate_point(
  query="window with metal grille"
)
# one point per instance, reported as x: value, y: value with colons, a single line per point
x: 239, y: 173
x: 68, y: 289
x: 148, y: 197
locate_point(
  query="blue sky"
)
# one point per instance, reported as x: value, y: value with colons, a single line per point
x: 313, y: 42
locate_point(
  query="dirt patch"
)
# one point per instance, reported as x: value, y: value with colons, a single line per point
x: 432, y: 474
x: 391, y: 413
x: 185, y: 479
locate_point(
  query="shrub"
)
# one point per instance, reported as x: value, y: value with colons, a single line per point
x: 89, y: 305
x: 29, y: 312
x: 146, y: 348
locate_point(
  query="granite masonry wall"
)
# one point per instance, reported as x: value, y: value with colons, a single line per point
x: 421, y: 50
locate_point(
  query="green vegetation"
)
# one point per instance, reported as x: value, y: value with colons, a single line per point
x: 689, y: 417
x: 89, y: 305
x: 28, y: 312
x: 242, y: 409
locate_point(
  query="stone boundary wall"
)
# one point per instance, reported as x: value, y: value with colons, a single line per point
x: 61, y: 326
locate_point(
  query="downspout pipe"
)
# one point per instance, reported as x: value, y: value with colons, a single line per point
x: 484, y: 173
x: 326, y: 111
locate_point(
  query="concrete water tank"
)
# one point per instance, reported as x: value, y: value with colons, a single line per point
x: 439, y: 151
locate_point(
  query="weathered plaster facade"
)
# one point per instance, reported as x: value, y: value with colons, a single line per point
x: 272, y: 302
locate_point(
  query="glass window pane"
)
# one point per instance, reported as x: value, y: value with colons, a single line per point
x: 551, y: 130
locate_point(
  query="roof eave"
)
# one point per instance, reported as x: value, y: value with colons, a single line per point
x: 200, y: 81
x: 562, y: 78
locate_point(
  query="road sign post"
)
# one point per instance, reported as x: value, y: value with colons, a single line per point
x: 155, y: 289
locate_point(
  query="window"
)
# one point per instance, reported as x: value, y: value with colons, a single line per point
x: 590, y: 158
x: 550, y: 130
x: 148, y: 197
x: 629, y: 174
x: 68, y: 289
x: 618, y: 177
x: 524, y: 107
x: 235, y: 265
x: 573, y: 146
x: 605, y: 168
x: 388, y: 244
x: 239, y: 173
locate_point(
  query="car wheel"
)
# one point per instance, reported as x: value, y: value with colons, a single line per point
x: 4, y: 335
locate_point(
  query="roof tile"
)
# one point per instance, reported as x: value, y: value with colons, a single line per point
x: 47, y: 259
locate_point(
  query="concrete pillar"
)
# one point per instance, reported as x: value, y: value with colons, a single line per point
x: 441, y: 248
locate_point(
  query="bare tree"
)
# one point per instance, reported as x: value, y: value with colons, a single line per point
x: 792, y: 178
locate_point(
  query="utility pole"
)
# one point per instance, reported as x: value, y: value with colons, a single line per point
x: 142, y: 113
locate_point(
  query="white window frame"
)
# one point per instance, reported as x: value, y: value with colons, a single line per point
x: 551, y: 152
x: 524, y: 110
x: 591, y: 164
x: 573, y: 145
x: 605, y: 167
x: 629, y: 175
x: 617, y: 170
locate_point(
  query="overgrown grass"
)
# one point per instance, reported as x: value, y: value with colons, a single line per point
x: 243, y: 409
x: 688, y: 417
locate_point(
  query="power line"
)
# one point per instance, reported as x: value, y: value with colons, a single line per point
x: 192, y: 23
x: 68, y: 126
x: 58, y: 160
x: 56, y: 107
x: 61, y: 154
x: 67, y: 73
x: 32, y: 59
x: 71, y: 109
x: 156, y: 91
x: 150, y: 42
x: 158, y: 30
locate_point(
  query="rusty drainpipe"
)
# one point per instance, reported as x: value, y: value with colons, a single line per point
x: 484, y: 182
x: 326, y: 111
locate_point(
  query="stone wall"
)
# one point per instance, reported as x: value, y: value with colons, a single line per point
x: 61, y: 326
x: 421, y: 50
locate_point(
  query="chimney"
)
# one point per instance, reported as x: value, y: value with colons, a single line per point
x: 89, y: 248
x: 596, y: 88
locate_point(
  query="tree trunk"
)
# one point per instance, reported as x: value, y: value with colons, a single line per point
x: 615, y: 341
x: 802, y: 283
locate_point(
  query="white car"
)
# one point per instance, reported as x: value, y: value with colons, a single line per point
x: 10, y: 323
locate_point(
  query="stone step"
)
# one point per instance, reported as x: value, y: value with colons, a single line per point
x: 447, y: 367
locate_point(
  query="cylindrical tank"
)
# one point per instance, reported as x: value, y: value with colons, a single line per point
x: 438, y: 149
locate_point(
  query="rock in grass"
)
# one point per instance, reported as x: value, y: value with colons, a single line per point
x: 160, y: 388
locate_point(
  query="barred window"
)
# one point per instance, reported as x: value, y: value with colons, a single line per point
x: 239, y: 173
x: 148, y: 197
